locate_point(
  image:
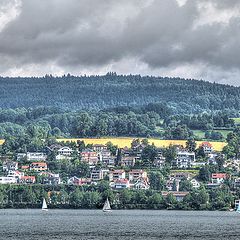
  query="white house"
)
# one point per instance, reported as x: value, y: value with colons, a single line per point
x: 184, y: 159
x: 99, y: 174
x: 128, y: 161
x: 135, y: 174
x: 9, y: 166
x: 21, y: 156
x: 8, y: 180
x: 50, y: 178
x: 120, y: 184
x: 212, y: 158
x: 117, y: 174
x: 159, y: 161
x: 99, y: 147
x: 15, y: 174
x: 65, y: 151
x: 195, y: 183
x: 36, y: 156
x: 106, y: 158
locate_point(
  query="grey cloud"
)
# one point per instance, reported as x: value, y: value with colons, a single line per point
x: 159, y: 33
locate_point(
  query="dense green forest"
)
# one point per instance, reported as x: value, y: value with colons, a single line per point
x: 111, y: 90
x: 151, y: 120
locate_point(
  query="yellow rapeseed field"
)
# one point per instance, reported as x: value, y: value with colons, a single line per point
x: 123, y: 142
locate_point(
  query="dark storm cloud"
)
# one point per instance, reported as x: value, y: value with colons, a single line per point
x: 160, y: 33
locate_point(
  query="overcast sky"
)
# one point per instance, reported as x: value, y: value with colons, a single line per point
x: 186, y: 38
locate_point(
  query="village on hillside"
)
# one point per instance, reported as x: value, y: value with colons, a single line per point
x: 174, y: 170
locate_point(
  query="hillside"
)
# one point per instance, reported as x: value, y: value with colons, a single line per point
x: 111, y: 90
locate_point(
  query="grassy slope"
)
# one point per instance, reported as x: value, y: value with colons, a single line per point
x: 236, y: 120
x: 201, y: 134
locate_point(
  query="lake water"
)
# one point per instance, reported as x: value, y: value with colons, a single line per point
x: 122, y: 224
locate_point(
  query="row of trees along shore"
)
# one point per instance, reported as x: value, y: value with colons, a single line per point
x: 93, y: 197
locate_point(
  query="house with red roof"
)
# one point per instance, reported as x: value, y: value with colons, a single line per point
x: 79, y: 181
x: 38, y: 166
x: 218, y: 178
x: 27, y: 179
x: 25, y: 167
x: 120, y: 184
x: 207, y: 147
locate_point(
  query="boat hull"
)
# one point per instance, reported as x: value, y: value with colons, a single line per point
x: 107, y: 210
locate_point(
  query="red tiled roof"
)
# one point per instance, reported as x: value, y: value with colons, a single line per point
x: 219, y: 175
x: 39, y: 164
x: 28, y: 177
x: 25, y: 167
x: 206, y: 144
x: 122, y: 181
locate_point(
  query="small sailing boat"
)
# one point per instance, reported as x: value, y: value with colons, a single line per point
x: 44, y: 205
x: 238, y: 208
x: 107, y: 207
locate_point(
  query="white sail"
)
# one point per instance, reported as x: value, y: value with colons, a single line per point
x: 238, y: 209
x: 107, y: 207
x: 44, y: 205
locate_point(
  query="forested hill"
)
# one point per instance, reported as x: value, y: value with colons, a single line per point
x: 111, y: 90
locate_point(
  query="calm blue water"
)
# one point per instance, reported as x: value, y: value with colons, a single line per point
x: 122, y: 224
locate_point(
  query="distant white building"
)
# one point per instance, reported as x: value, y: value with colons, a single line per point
x: 195, y: 183
x: 65, y: 151
x: 15, y: 174
x: 212, y: 158
x: 99, y: 147
x: 36, y: 156
x: 184, y: 159
x: 159, y: 161
x: 135, y: 174
x: 120, y: 184
x: 32, y: 156
x: 8, y: 180
x: 99, y: 174
x: 128, y: 161
x: 9, y: 166
x: 117, y: 174
x: 106, y: 158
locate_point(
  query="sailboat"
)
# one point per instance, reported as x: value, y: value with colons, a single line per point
x: 44, y: 205
x: 107, y: 207
x: 238, y: 208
